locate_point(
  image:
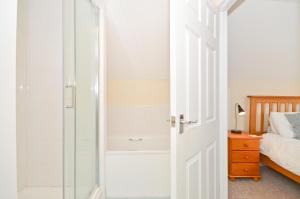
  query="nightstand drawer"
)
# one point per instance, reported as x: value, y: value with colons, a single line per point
x: 245, y: 169
x: 245, y: 156
x: 242, y: 144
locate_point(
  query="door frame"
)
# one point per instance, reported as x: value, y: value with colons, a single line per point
x: 223, y: 95
x: 99, y: 191
x: 102, y: 101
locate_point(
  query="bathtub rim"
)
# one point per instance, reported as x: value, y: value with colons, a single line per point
x: 137, y: 152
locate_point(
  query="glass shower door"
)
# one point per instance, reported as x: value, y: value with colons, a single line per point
x: 81, y: 98
x: 86, y: 75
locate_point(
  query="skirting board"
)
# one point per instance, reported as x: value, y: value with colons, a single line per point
x: 98, y: 193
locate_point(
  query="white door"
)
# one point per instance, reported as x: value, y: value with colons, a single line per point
x: 194, y: 98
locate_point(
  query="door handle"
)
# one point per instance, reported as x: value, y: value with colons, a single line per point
x: 188, y: 122
x: 72, y: 87
x: 183, y: 122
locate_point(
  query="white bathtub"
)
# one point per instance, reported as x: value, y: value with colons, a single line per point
x: 134, y: 169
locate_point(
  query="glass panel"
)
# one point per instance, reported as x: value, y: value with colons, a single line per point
x: 86, y: 75
x: 69, y: 113
x: 80, y: 98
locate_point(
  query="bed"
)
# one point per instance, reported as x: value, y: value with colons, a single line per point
x: 279, y: 153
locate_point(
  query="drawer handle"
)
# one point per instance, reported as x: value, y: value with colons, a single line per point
x: 246, y: 157
x: 246, y: 145
x: 246, y: 170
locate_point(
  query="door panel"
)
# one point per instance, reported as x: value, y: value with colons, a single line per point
x: 193, y: 170
x: 193, y: 49
x: 210, y: 83
x: 194, y: 94
x: 211, y: 172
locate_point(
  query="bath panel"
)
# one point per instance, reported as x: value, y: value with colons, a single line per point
x: 138, y: 174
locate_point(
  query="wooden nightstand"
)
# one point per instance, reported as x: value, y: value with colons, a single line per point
x: 243, y: 156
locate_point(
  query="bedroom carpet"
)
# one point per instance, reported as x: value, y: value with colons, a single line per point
x: 272, y: 186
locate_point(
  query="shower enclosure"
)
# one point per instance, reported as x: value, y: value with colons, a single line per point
x: 81, y: 118
x: 57, y: 99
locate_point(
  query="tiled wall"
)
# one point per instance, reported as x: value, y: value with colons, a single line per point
x: 39, y: 93
x: 138, y: 68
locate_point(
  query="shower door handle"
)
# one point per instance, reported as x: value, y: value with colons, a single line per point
x: 70, y: 87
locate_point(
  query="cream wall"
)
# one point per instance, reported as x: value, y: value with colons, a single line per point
x: 8, y: 24
x: 39, y: 93
x: 138, y: 67
x: 264, y: 47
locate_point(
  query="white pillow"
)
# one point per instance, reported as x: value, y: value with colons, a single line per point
x: 272, y: 128
x: 280, y: 125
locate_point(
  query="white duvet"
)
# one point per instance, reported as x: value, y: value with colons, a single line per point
x: 284, y: 151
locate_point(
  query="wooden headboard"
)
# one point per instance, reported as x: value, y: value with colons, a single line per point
x: 262, y: 106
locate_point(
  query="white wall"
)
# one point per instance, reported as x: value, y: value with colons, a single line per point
x: 8, y: 21
x: 39, y: 93
x: 138, y: 67
x: 264, y: 47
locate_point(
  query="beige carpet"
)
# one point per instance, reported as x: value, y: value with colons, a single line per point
x: 272, y: 186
